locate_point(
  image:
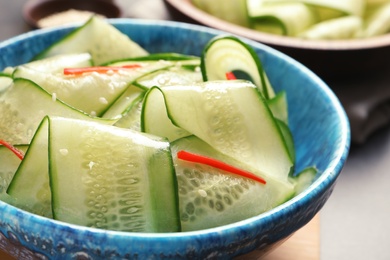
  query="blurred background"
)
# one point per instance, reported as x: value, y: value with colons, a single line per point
x: 354, y: 223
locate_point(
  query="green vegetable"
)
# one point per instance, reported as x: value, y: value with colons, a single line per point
x: 309, y: 19
x: 97, y: 38
x: 119, y: 164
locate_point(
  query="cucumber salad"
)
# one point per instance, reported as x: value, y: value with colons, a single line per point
x: 307, y: 19
x: 96, y: 131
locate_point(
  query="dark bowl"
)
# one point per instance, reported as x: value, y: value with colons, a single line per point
x: 33, y: 11
x: 328, y: 59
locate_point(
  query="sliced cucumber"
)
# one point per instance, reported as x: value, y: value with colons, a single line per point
x: 233, y: 11
x: 131, y: 189
x: 288, y: 139
x: 30, y: 186
x: 100, y: 89
x: 172, y: 76
x: 232, y: 117
x: 120, y: 107
x: 229, y: 54
x: 287, y: 19
x: 131, y: 118
x: 346, y: 27
x: 5, y: 82
x: 57, y: 63
x: 209, y: 197
x: 170, y: 57
x: 155, y: 118
x: 96, y: 37
x: 304, y: 179
x: 348, y: 7
x: 21, y: 117
x: 9, y: 164
x: 378, y: 22
x: 278, y: 106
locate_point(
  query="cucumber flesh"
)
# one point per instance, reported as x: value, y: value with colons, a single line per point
x: 120, y: 107
x: 378, y: 21
x: 304, y: 179
x: 279, y: 107
x: 5, y: 82
x: 209, y: 197
x: 288, y: 18
x: 97, y: 38
x: 228, y: 115
x: 131, y: 189
x: 346, y: 27
x: 233, y: 11
x: 348, y: 7
x: 30, y: 186
x: 21, y: 117
x: 57, y: 63
x: 9, y: 164
x: 155, y: 119
x: 131, y: 119
x: 172, y: 76
x: 100, y: 89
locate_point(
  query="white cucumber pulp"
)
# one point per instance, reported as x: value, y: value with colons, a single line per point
x: 21, y: 117
x: 5, y: 82
x: 233, y: 11
x: 100, y: 89
x: 127, y: 180
x: 96, y: 37
x: 9, y: 164
x: 284, y: 18
x: 232, y: 117
x: 30, y: 186
x: 155, y: 119
x: 210, y: 197
x: 56, y: 64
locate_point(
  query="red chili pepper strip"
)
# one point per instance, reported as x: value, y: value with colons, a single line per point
x: 230, y: 76
x: 98, y: 69
x: 196, y: 158
x: 13, y: 149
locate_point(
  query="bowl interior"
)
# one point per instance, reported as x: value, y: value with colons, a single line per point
x: 33, y: 11
x: 318, y: 123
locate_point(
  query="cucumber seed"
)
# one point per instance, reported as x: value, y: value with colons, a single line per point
x: 202, y: 193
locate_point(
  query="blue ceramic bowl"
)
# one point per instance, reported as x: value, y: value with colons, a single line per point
x: 320, y: 129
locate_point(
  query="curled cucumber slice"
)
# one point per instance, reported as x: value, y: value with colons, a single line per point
x: 225, y: 54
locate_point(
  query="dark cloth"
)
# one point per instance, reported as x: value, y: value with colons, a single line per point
x: 366, y: 99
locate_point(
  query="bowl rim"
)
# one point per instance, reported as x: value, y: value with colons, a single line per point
x: 326, y: 180
x: 189, y: 10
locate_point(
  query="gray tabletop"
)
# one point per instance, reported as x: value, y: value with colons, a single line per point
x: 355, y: 221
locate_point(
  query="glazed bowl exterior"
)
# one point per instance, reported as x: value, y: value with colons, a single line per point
x: 320, y: 130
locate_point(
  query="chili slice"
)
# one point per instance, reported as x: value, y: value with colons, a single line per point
x: 197, y: 158
x: 230, y: 75
x: 98, y: 69
x: 13, y: 149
